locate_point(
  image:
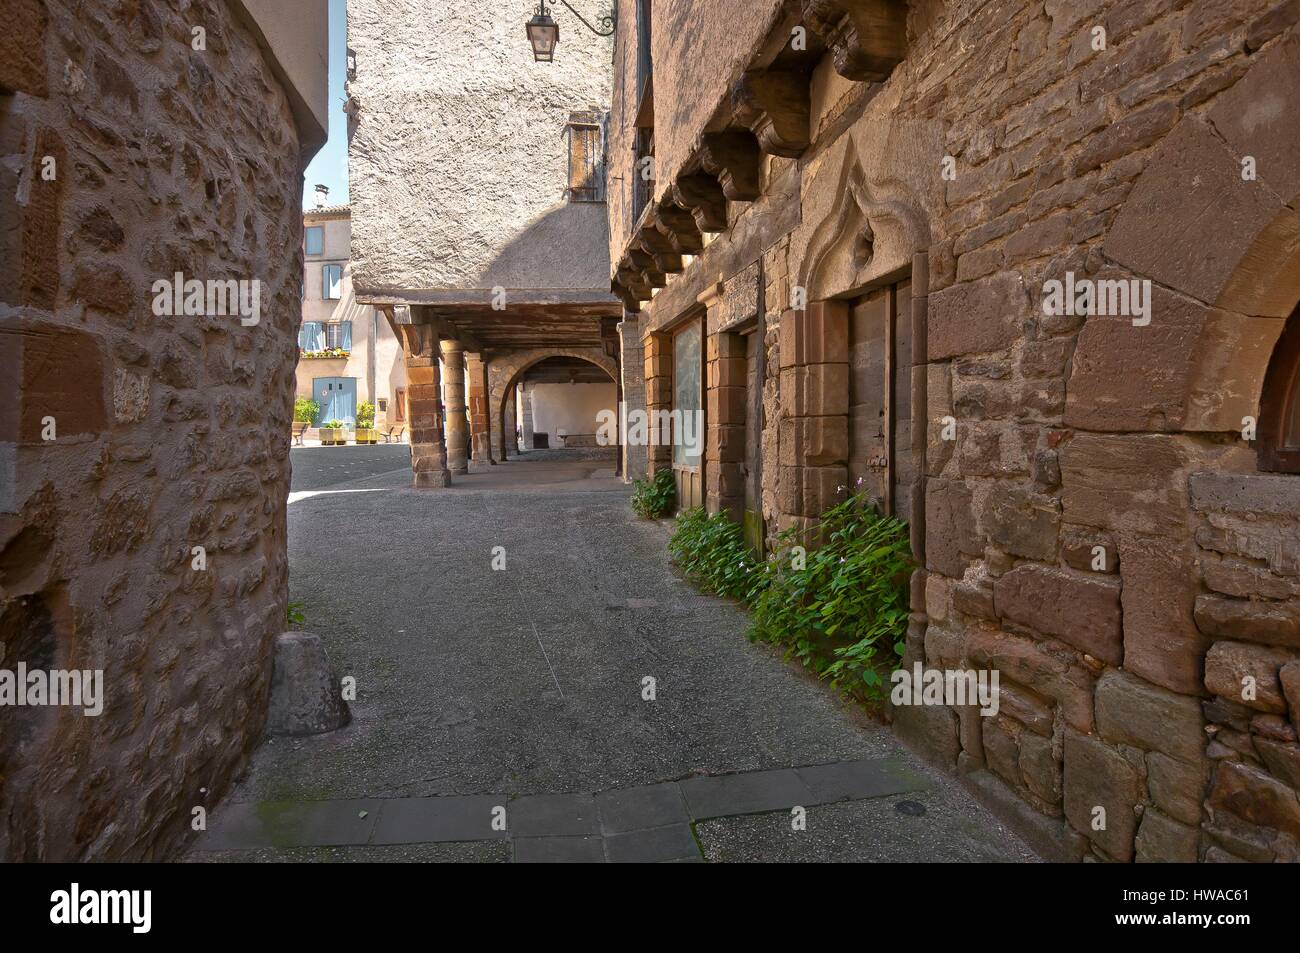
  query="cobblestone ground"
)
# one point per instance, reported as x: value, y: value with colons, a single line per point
x: 518, y: 693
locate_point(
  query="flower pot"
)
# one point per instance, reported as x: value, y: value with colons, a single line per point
x: 331, y: 437
x: 367, y: 435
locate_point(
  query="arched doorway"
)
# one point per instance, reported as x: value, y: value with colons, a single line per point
x: 565, y: 364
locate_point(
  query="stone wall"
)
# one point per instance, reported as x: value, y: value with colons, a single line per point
x: 129, y: 156
x: 1089, y: 518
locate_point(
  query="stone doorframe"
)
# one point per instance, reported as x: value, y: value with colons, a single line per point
x: 862, y: 241
x: 506, y: 370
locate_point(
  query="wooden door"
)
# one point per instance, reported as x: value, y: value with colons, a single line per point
x: 880, y: 397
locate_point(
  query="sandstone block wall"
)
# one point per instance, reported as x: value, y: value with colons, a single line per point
x: 170, y: 431
x: 1096, y: 530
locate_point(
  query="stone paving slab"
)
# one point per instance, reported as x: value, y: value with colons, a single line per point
x: 633, y: 809
x: 559, y: 850
x: 422, y: 820
x: 542, y: 815
x: 750, y: 793
x: 653, y: 846
x: 843, y: 780
x: 292, y: 824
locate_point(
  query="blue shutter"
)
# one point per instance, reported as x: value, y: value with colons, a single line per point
x: 345, y: 335
x: 312, y: 336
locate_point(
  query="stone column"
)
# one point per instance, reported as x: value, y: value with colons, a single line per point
x: 526, y: 410
x: 456, y: 423
x: 814, y: 435
x: 658, y: 363
x: 724, y: 456
x: 632, y: 368
x: 424, y: 406
x: 509, y: 445
x: 480, y: 416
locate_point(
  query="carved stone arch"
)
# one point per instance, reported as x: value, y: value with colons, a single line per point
x: 504, y: 373
x: 1222, y: 252
x: 867, y: 235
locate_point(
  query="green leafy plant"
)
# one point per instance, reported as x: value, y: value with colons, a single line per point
x: 295, y: 613
x: 304, y: 410
x: 365, y: 415
x: 654, y: 499
x: 841, y: 609
x: 712, y: 551
x: 334, y: 425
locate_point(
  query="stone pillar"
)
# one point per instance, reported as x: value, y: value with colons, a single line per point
x: 724, y: 453
x: 658, y: 364
x: 456, y: 423
x: 509, y: 443
x: 814, y: 437
x: 526, y: 411
x: 632, y: 369
x: 480, y: 412
x: 424, y: 406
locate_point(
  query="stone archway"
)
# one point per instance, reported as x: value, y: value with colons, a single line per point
x: 505, y: 371
x: 1222, y: 251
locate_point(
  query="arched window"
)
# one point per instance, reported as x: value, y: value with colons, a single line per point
x: 1279, y: 407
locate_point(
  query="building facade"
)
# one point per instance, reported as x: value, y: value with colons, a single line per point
x: 348, y: 352
x: 479, y: 223
x: 143, y: 467
x: 1027, y: 273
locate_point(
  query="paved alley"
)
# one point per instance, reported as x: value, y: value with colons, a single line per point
x: 522, y: 688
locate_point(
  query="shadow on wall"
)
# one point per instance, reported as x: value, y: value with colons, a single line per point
x: 565, y: 247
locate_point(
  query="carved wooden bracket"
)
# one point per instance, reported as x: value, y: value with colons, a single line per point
x: 867, y: 38
x: 633, y: 281
x: 418, y: 340
x: 702, y: 195
x: 774, y: 105
x: 654, y: 243
x: 733, y: 159
x: 643, y: 263
x: 678, y: 226
x: 630, y: 301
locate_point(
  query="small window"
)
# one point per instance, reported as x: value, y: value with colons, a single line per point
x: 383, y: 404
x: 1279, y: 409
x: 331, y: 282
x: 315, y: 240
x: 583, y: 136
x: 339, y: 335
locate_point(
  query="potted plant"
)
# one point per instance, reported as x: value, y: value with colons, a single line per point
x: 366, y: 432
x: 304, y: 412
x: 331, y: 434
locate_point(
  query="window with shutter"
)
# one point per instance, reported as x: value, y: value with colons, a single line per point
x: 582, y: 133
x: 332, y: 282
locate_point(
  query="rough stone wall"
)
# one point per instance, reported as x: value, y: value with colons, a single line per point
x: 472, y: 196
x: 170, y: 432
x: 1078, y: 537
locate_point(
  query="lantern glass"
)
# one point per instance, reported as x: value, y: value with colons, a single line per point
x: 543, y: 34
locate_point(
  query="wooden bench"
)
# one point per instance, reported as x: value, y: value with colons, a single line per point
x: 394, y: 434
x: 299, y: 431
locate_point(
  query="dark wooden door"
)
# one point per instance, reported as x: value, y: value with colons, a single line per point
x: 880, y: 397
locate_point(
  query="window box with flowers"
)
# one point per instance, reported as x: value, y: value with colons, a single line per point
x: 319, y: 340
